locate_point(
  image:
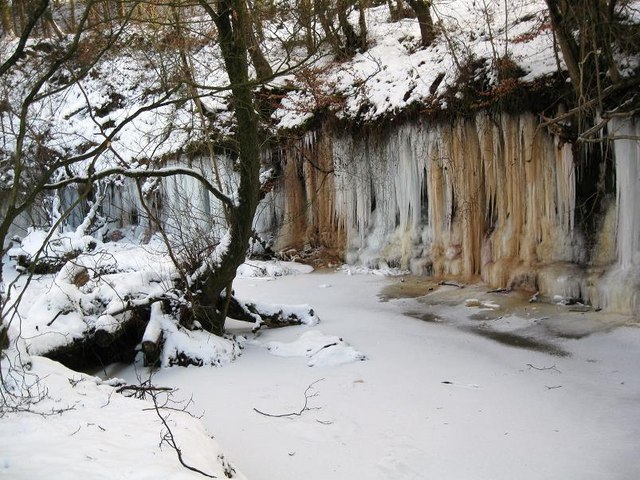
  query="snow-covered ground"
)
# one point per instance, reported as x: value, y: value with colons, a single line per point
x: 402, y: 378
x: 82, y: 428
x: 432, y: 399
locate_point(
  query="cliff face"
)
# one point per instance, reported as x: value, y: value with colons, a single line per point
x: 498, y: 198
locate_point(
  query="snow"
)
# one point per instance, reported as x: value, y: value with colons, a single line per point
x: 486, y: 386
x: 200, y: 347
x: 82, y: 428
x: 433, y: 399
x: 322, y: 350
x: 50, y: 244
x: 258, y: 268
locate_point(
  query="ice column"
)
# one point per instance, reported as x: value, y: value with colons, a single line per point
x: 627, y: 153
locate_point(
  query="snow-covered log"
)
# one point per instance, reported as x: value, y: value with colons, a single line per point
x: 272, y: 316
x: 153, y: 336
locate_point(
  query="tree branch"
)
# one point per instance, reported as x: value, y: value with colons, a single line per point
x: 170, y: 440
x: 304, y: 408
x: 139, y: 173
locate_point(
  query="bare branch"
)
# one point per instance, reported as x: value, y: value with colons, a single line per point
x: 36, y: 13
x: 552, y: 367
x: 304, y: 408
x: 139, y: 173
x: 168, y: 437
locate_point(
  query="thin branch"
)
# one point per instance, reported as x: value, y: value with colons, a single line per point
x: 142, y: 389
x: 37, y: 12
x: 169, y: 439
x: 304, y: 408
x: 139, y: 173
x: 552, y: 367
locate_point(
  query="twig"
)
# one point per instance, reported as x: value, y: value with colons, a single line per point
x: 54, y: 318
x: 552, y: 367
x: 96, y: 425
x: 168, y: 437
x: 304, y: 408
x: 500, y: 290
x: 142, y: 388
x: 553, y: 387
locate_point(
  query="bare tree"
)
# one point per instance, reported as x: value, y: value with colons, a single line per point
x: 589, y: 33
x: 100, y: 25
x: 345, y: 41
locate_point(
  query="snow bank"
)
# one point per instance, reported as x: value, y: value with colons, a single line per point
x: 83, y: 429
x: 395, y: 73
x: 93, y: 292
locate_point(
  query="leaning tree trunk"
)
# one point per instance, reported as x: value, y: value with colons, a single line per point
x: 321, y: 7
x: 351, y: 38
x: 259, y: 61
x: 562, y: 29
x: 423, y: 14
x: 233, y: 47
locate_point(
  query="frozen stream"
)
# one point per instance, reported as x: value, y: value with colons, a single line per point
x: 434, y: 399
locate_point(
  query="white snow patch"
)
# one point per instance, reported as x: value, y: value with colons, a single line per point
x: 259, y: 268
x: 321, y: 350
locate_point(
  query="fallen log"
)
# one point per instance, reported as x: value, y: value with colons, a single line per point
x: 272, y: 316
x: 153, y: 336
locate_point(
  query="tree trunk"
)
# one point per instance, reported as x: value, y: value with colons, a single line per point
x: 260, y: 63
x: 306, y: 20
x: 6, y: 19
x: 351, y: 39
x: 71, y: 22
x: 423, y: 14
x: 362, y: 23
x: 52, y: 25
x: 233, y: 47
x: 568, y: 45
x: 321, y: 7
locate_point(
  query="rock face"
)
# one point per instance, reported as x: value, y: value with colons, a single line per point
x: 496, y: 197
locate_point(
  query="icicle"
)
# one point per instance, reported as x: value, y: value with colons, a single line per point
x: 627, y: 153
x: 490, y: 195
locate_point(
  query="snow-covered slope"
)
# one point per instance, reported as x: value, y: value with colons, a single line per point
x: 395, y: 73
x: 80, y: 427
x: 476, y: 39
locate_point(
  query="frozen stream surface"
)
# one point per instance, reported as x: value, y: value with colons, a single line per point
x: 438, y: 399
